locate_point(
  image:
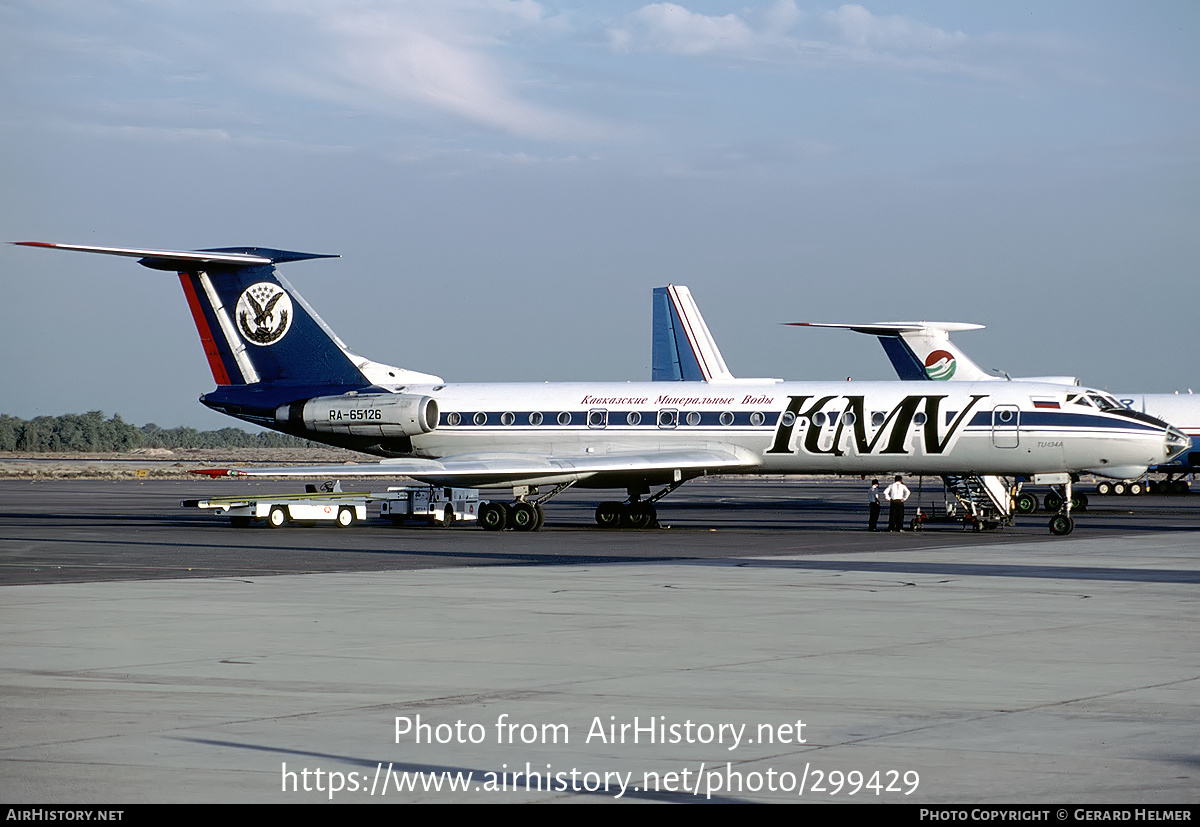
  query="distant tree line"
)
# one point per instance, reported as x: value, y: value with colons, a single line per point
x: 91, y: 432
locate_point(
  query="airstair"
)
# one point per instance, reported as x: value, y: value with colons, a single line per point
x: 986, y: 498
x: 977, y: 502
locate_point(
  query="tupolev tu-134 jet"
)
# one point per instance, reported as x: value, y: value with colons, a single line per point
x: 278, y: 365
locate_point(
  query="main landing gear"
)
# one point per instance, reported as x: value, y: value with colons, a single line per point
x: 527, y: 515
x: 521, y: 515
x: 634, y: 512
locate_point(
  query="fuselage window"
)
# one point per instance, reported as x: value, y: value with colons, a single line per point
x: 849, y: 418
x: 693, y: 418
x: 919, y: 419
x: 535, y: 418
x: 757, y: 418
x: 634, y: 418
x: 727, y: 418
x: 564, y: 418
x: 480, y: 418
x: 668, y: 419
x: 819, y: 418
x: 877, y: 418
x: 508, y: 418
x: 788, y: 419
x: 454, y: 418
x: 597, y: 419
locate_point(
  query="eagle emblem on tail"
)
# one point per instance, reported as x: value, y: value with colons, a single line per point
x: 264, y: 313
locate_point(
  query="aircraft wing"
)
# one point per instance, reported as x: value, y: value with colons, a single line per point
x: 497, y: 469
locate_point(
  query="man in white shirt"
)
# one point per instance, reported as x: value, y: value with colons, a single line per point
x: 896, y: 494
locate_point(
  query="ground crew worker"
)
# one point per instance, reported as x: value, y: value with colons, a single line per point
x: 873, y: 505
x: 896, y: 494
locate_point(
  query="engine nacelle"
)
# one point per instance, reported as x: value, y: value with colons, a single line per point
x: 369, y: 414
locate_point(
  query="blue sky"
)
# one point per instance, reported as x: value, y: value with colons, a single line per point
x: 506, y: 182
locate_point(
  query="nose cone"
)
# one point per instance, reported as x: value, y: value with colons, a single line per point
x: 1176, y: 442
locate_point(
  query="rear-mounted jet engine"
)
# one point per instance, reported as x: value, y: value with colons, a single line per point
x: 371, y: 415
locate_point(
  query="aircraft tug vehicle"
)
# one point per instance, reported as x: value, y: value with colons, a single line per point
x: 427, y: 505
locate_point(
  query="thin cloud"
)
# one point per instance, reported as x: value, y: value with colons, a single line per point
x: 469, y: 62
x: 670, y: 28
x: 782, y: 33
x: 447, y: 56
x: 858, y: 27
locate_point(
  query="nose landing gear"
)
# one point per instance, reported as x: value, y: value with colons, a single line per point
x: 1061, y: 524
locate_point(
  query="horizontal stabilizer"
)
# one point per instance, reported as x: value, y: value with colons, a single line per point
x: 894, y: 328
x: 919, y: 350
x: 173, y: 259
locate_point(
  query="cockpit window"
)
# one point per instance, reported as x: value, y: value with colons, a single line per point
x: 1095, y: 399
x: 1104, y: 402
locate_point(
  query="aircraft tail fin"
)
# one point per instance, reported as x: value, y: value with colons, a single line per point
x: 255, y: 328
x: 683, y: 348
x: 920, y: 350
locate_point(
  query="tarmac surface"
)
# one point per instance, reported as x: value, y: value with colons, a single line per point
x: 762, y: 647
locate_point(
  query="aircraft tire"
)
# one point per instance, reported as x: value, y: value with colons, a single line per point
x: 1104, y: 488
x: 1053, y: 501
x: 345, y: 517
x: 1025, y: 503
x: 541, y: 518
x: 277, y: 518
x: 493, y: 516
x: 1118, y: 488
x: 609, y: 514
x: 523, y: 517
x: 1061, y: 525
x: 639, y: 516
x: 1136, y: 489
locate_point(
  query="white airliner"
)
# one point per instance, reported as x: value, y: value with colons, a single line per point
x: 923, y: 350
x: 278, y: 365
